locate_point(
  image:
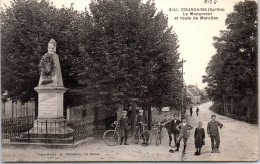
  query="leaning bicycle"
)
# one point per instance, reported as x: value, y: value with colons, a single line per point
x: 143, y: 134
x: 111, y: 137
x: 159, y: 134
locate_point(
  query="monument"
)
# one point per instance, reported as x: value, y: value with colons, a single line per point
x: 50, y: 123
x: 50, y: 92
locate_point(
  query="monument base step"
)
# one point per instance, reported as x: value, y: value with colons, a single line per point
x: 48, y: 136
x: 42, y: 143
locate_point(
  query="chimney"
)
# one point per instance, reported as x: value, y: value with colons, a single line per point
x: 71, y: 6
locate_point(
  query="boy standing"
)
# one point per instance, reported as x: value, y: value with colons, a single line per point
x: 123, y: 122
x: 199, y: 137
x: 213, y: 132
x: 183, y: 128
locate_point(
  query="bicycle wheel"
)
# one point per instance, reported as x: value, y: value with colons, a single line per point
x: 111, y: 137
x: 157, y: 139
x: 160, y: 139
x: 147, y: 136
x: 137, y: 138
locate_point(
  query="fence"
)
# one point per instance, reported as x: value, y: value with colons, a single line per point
x: 57, y: 132
x: 14, y: 126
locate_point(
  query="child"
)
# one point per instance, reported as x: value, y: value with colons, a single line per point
x: 199, y: 137
x: 183, y: 128
x: 213, y: 133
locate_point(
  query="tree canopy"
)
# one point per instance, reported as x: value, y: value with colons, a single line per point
x: 232, y: 71
x: 122, y: 49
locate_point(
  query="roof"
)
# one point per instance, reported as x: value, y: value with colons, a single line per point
x: 193, y: 92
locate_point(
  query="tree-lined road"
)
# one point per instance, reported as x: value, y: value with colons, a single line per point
x: 238, y: 140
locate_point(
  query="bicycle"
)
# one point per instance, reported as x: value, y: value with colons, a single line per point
x: 146, y: 135
x: 112, y: 137
x: 159, y: 134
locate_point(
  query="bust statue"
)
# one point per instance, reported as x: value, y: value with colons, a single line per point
x: 52, y: 46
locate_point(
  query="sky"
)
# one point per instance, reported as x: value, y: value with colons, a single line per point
x: 195, y: 36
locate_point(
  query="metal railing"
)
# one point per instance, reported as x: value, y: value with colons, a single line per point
x: 14, y: 126
x: 49, y: 131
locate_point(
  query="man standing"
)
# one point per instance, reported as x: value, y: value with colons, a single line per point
x: 213, y: 132
x: 175, y: 122
x: 197, y: 111
x: 191, y: 111
x: 123, y: 122
x: 141, y: 119
x: 184, y: 128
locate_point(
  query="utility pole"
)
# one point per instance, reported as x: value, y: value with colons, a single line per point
x: 182, y: 82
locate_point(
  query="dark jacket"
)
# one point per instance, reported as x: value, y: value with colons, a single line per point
x: 173, y: 126
x: 123, y: 122
x: 141, y: 119
x: 199, y: 136
x: 212, y: 128
x: 184, y: 129
x: 197, y: 110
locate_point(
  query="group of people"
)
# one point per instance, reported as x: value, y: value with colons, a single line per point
x: 124, y: 126
x: 180, y: 131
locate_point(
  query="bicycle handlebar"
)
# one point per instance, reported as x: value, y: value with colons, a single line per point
x: 160, y: 124
x: 114, y: 124
x: 141, y: 123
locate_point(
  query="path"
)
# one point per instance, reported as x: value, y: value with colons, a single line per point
x: 238, y: 140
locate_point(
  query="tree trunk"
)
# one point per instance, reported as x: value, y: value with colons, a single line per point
x: 232, y: 106
x: 119, y: 111
x: 12, y: 109
x: 3, y: 110
x: 149, y: 118
x: 147, y: 109
x: 133, y: 118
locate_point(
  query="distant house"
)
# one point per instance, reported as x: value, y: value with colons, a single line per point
x: 194, y: 93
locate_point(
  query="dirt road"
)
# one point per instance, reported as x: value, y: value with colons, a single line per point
x: 239, y: 142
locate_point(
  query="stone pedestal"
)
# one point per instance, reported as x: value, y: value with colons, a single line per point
x: 50, y: 116
x: 50, y: 102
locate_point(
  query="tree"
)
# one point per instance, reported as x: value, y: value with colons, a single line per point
x: 136, y: 54
x: 232, y: 72
x: 122, y: 50
x: 27, y: 27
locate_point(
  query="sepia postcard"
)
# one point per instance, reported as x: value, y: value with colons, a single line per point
x: 129, y: 80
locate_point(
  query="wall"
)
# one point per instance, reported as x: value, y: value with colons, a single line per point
x: 17, y: 109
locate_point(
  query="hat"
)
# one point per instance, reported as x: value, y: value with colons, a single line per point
x: 171, y: 151
x: 213, y: 115
x: 124, y: 111
x: 141, y: 111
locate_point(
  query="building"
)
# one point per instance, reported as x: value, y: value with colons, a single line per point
x: 194, y: 93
